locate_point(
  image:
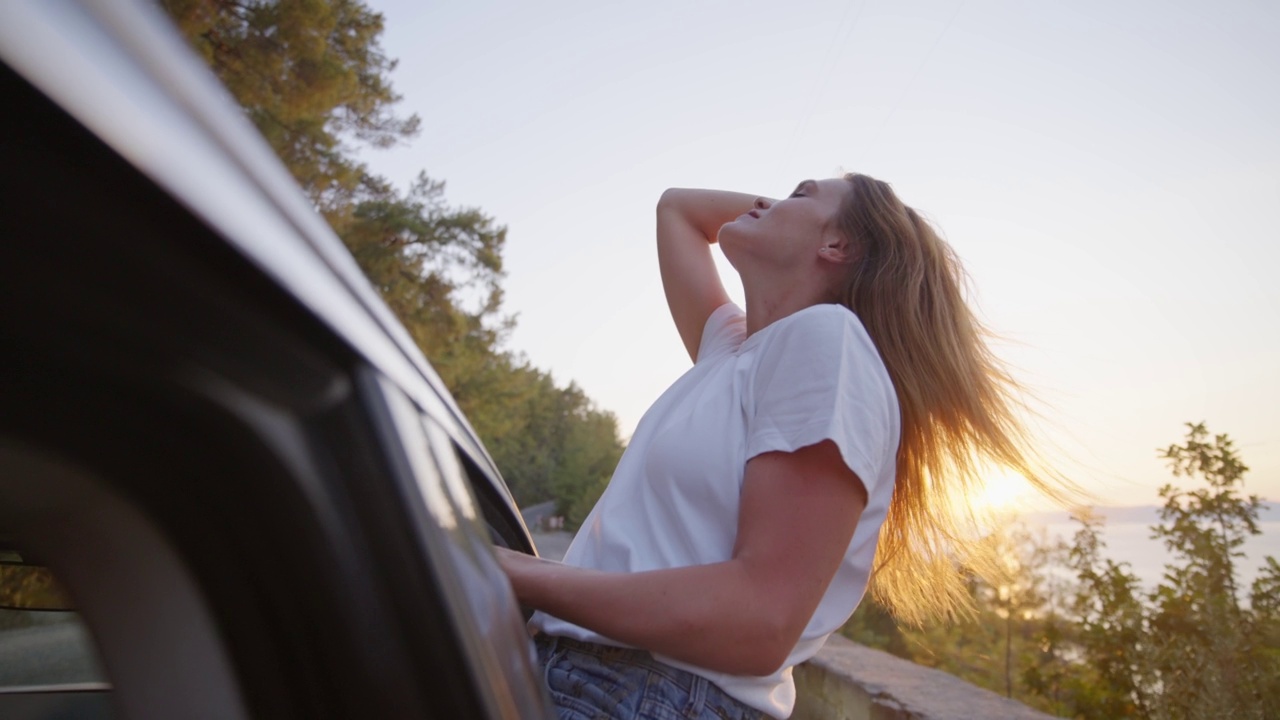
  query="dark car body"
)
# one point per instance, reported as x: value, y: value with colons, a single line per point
x: 260, y: 497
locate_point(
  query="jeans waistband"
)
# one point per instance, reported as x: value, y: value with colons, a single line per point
x: 611, y: 669
x: 592, y: 648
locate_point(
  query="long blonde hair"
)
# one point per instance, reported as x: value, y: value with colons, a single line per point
x: 962, y: 412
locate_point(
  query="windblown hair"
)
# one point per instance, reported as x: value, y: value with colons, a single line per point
x: 962, y: 412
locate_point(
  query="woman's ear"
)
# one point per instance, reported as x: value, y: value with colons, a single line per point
x: 837, y: 250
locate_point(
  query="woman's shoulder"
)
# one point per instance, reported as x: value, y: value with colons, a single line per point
x: 723, y: 330
x: 823, y: 341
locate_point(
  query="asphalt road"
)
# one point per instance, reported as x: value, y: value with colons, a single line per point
x: 553, y: 544
x: 47, y: 654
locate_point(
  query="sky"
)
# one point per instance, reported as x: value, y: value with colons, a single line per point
x: 1109, y: 173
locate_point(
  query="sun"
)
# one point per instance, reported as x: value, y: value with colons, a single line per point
x: 1004, y: 491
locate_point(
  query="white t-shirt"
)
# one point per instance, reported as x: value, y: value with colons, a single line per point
x: 673, y: 499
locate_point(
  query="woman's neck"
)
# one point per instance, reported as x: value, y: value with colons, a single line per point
x: 770, y: 304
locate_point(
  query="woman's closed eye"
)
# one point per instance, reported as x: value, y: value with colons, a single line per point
x: 803, y: 188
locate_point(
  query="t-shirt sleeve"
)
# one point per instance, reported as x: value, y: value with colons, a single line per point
x: 725, y: 328
x: 819, y: 377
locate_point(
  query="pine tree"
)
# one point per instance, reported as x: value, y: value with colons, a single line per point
x: 310, y: 74
x: 313, y: 78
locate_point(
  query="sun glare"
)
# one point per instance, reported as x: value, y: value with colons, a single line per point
x: 1005, y: 491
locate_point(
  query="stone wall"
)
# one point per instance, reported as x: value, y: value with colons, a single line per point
x: 846, y: 681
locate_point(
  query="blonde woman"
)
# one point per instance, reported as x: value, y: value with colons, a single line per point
x: 822, y: 433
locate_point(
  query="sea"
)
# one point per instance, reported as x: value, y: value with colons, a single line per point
x: 1127, y: 535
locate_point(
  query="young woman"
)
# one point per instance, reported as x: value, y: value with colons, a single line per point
x: 824, y: 432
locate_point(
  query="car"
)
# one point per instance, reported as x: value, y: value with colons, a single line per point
x: 217, y: 444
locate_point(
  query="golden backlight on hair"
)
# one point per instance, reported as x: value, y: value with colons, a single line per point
x: 962, y: 412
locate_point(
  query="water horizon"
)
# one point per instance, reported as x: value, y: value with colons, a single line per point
x: 1127, y: 537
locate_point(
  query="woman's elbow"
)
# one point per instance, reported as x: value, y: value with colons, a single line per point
x: 761, y: 664
x: 671, y: 198
x: 768, y: 650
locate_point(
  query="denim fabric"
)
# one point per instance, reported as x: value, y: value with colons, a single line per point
x: 587, y: 681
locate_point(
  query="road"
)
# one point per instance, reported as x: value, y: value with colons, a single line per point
x: 552, y: 544
x: 48, y: 653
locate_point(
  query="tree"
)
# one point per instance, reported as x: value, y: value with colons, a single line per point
x: 1105, y: 647
x: 1210, y: 662
x: 309, y: 74
x: 1004, y: 645
x: 423, y: 256
x: 31, y: 586
x: 1188, y: 649
x: 313, y: 78
x: 557, y: 444
x: 1112, y: 630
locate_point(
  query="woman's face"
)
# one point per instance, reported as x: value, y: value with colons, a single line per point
x: 785, y: 233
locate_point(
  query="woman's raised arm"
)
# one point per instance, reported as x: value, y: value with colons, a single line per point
x: 688, y: 222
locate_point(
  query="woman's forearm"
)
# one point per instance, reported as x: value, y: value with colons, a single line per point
x: 704, y: 615
x: 706, y: 210
x: 797, y: 515
x: 688, y: 222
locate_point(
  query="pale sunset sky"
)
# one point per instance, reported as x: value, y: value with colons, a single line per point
x: 1108, y: 171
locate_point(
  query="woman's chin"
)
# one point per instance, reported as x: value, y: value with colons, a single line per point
x: 734, y: 230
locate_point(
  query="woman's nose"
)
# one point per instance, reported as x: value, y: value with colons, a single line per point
x: 762, y: 203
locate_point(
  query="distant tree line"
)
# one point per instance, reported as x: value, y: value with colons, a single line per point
x: 313, y: 78
x: 1072, y: 632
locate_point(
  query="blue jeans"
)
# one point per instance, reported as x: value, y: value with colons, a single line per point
x: 587, y: 681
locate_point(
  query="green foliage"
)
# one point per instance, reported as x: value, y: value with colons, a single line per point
x: 551, y: 442
x: 423, y: 256
x: 590, y: 453
x: 1209, y: 661
x: 1112, y: 633
x: 876, y: 627
x: 1188, y: 649
x: 1101, y: 646
x: 1003, y: 646
x: 31, y: 586
x: 309, y: 74
x: 312, y: 77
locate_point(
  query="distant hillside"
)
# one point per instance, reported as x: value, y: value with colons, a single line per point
x: 1133, y: 515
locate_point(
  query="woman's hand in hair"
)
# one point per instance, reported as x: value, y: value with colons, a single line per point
x: 688, y: 223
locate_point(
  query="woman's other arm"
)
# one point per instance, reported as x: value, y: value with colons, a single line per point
x: 688, y: 222
x: 742, y: 616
